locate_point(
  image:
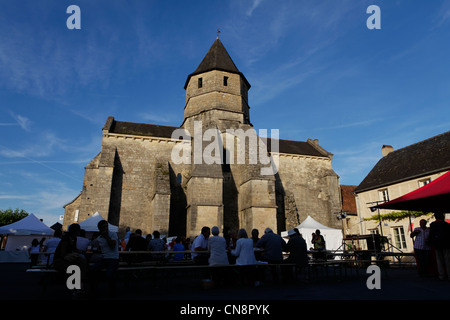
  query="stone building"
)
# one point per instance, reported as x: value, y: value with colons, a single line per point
x: 209, y: 171
x: 397, y: 173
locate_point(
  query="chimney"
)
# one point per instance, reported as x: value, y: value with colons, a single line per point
x: 386, y: 149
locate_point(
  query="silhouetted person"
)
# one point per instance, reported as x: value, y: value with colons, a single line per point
x: 67, y: 254
x: 273, y: 246
x: 296, y: 246
x: 422, y: 249
x: 319, y: 245
x: 157, y: 244
x: 109, y: 246
x: 137, y: 242
x: 440, y: 240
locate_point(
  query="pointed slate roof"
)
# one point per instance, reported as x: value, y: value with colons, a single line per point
x: 217, y: 58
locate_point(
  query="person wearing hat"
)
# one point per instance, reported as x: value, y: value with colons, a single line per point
x: 296, y: 246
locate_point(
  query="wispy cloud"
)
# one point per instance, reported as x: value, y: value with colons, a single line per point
x: 273, y: 84
x: 353, y: 164
x: 19, y: 120
x: 46, y: 204
x: 363, y: 123
x: 22, y: 121
x: 41, y: 163
x: 254, y: 5
x: 47, y: 64
x: 98, y: 119
x: 14, y: 196
x: 77, y: 161
x: 149, y: 116
x: 46, y: 144
x: 300, y: 35
x: 42, y: 145
x: 443, y: 15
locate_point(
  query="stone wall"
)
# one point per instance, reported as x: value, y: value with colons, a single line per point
x: 309, y: 187
x: 132, y: 182
x: 128, y: 183
x: 231, y: 99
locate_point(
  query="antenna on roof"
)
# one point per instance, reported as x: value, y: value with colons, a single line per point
x: 218, y: 31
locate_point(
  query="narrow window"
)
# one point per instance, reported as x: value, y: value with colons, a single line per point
x: 424, y: 182
x: 225, y: 81
x: 200, y: 82
x: 384, y: 195
x: 399, y: 237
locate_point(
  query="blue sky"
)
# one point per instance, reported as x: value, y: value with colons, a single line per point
x: 316, y: 72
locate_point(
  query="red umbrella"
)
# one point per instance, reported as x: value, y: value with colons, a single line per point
x: 434, y: 196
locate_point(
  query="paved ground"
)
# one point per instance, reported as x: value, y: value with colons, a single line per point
x: 397, y: 284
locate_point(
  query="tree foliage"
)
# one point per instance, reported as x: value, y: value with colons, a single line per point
x: 397, y: 215
x: 10, y: 216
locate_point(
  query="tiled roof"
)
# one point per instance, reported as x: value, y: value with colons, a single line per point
x: 348, y: 199
x: 420, y: 159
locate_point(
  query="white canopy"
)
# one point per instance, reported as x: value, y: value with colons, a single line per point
x: 30, y: 225
x: 333, y: 237
x: 20, y: 235
x: 90, y: 224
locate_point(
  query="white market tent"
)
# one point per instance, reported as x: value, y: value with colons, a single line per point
x: 30, y: 225
x: 20, y: 235
x: 90, y: 224
x: 22, y: 232
x: 333, y: 237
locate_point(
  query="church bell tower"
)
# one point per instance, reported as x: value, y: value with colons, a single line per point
x: 228, y: 196
x: 217, y: 91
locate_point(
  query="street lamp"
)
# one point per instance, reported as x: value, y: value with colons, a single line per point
x: 340, y: 215
x: 373, y: 209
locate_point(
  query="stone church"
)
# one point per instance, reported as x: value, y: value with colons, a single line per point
x: 138, y: 180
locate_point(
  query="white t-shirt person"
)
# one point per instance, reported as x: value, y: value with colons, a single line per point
x: 200, y: 243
